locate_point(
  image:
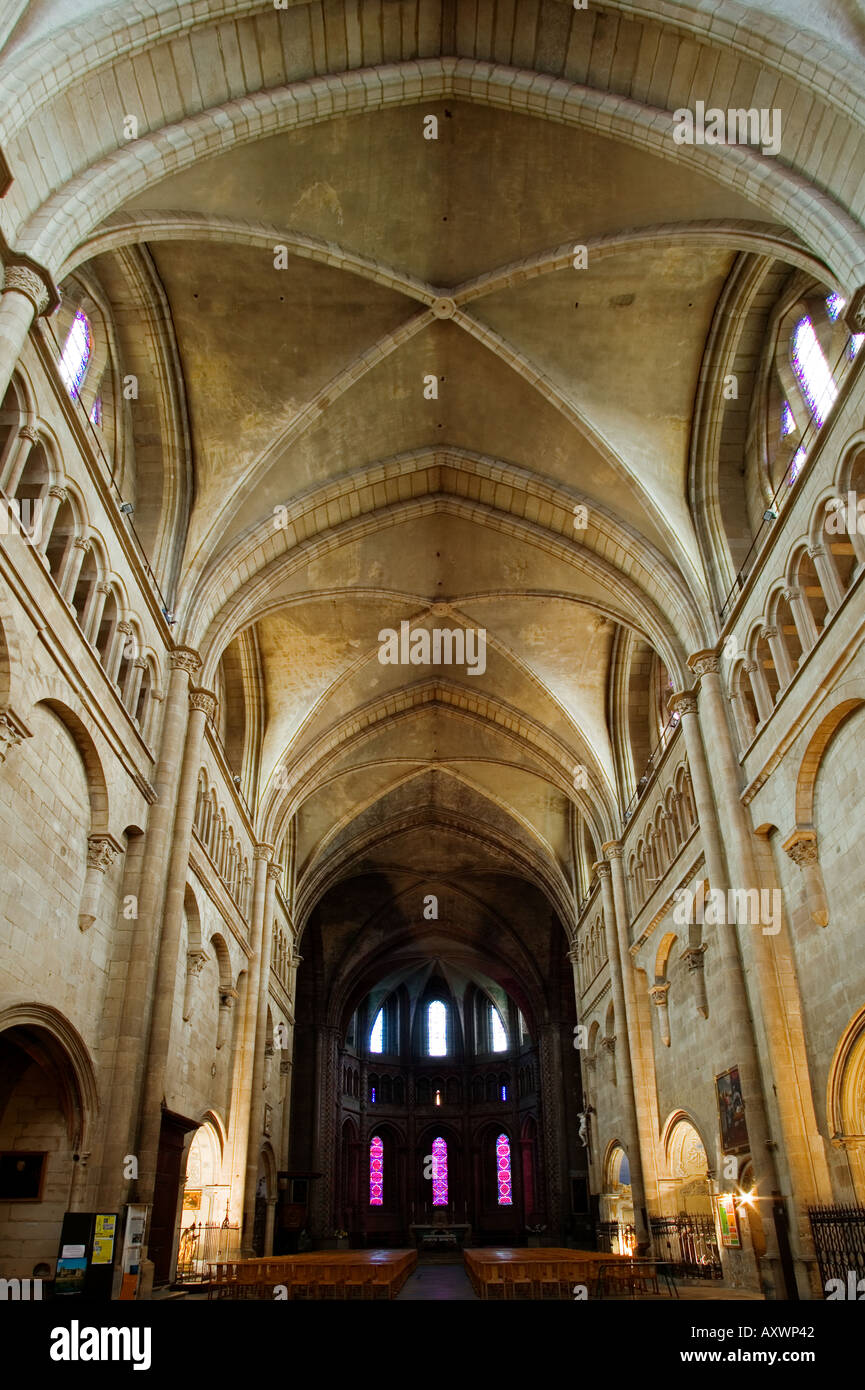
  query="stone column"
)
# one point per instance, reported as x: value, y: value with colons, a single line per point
x: 801, y: 845
x: 202, y: 705
x: 124, y: 1089
x: 326, y: 1048
x: 714, y: 734
x: 625, y: 1078
x: 780, y: 655
x: 658, y: 995
x: 645, y: 1094
x: 26, y: 440
x: 244, y: 1058
x: 92, y: 616
x: 803, y: 618
x: 132, y: 684
x: 25, y: 297
x: 685, y: 701
x: 101, y: 850
x: 196, y: 959
x: 760, y: 689
x: 68, y: 580
x: 827, y: 575
x: 56, y: 497
x: 258, y: 1065
x: 553, y: 1119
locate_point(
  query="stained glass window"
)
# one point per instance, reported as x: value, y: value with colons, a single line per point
x: 503, y: 1170
x: 376, y: 1037
x: 96, y: 413
x: 376, y: 1172
x: 788, y: 424
x: 75, y: 357
x: 372, y: 1095
x: 504, y: 1091
x: 796, y: 466
x: 497, y: 1030
x: 437, y: 1029
x: 855, y: 343
x: 440, y: 1173
x: 834, y: 305
x: 812, y: 371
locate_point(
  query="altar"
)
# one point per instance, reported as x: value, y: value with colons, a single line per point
x: 438, y: 1235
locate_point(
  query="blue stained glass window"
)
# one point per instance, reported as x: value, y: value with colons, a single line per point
x: 812, y: 371
x: 437, y: 1029
x: 75, y: 357
x: 497, y: 1029
x: 834, y: 305
x: 504, y: 1092
x: 372, y: 1095
x: 503, y: 1170
x: 376, y: 1172
x: 788, y: 424
x: 440, y: 1173
x: 376, y: 1037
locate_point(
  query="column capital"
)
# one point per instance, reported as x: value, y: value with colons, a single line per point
x: 204, y: 700
x: 101, y: 852
x: 12, y: 731
x: 59, y: 492
x: 694, y: 956
x: 768, y: 632
x: 612, y: 849
x: 261, y: 850
x: 602, y: 868
x: 140, y: 662
x: 573, y: 954
x: 816, y: 551
x: 683, y: 702
x: 801, y: 845
x: 658, y: 993
x: 196, y: 959
x: 33, y: 285
x: 274, y: 871
x: 82, y: 543
x: 705, y: 662
x: 30, y: 433
x: 184, y: 659
x: 791, y: 593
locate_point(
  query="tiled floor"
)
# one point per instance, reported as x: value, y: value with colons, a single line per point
x: 438, y: 1282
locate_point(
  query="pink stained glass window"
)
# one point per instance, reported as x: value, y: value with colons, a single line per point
x: 376, y: 1172
x: 503, y: 1170
x: 440, y: 1173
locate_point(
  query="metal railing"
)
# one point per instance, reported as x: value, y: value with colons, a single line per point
x: 666, y: 737
x: 839, y: 1241
x: 202, y: 1244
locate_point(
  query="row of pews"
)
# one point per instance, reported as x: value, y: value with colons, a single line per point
x: 548, y: 1273
x: 322, y: 1274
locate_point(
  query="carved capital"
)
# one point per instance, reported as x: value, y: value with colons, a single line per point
x: 658, y: 994
x: 574, y: 954
x: 694, y: 956
x: 12, y: 731
x: 262, y: 851
x: 196, y: 959
x: 82, y: 543
x: 791, y: 594
x: 602, y: 868
x: 801, y: 845
x: 125, y: 627
x: 203, y: 700
x: 30, y: 433
x: 612, y: 849
x: 101, y: 852
x: 184, y: 659
x: 815, y: 551
x: 103, y: 588
x: 704, y: 663
x: 768, y: 632
x: 23, y: 280
x: 683, y: 702
x: 854, y: 315
x: 749, y: 666
x: 274, y: 871
x: 59, y: 492
x: 140, y: 662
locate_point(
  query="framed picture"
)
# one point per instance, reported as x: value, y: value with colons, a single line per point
x: 728, y: 1221
x: 731, y: 1113
x: 192, y: 1199
x: 21, y: 1176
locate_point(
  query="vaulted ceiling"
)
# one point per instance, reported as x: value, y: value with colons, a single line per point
x: 399, y: 390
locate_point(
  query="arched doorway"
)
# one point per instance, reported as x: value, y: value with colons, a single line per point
x: 205, y: 1229
x: 616, y: 1228
x: 47, y: 1096
x: 686, y: 1233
